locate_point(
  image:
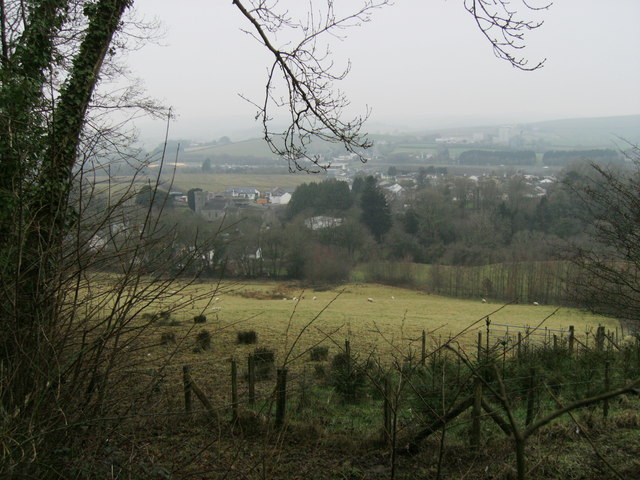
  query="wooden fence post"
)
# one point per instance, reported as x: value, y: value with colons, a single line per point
x: 476, y: 413
x: 519, y: 345
x: 531, y: 396
x: 251, y: 374
x: 347, y: 351
x: 387, y: 411
x: 234, y: 390
x: 488, y: 322
x: 599, y: 338
x: 607, y: 385
x: 571, y: 339
x: 186, y: 380
x: 423, y: 357
x: 281, y: 396
x: 555, y: 341
x: 479, y: 355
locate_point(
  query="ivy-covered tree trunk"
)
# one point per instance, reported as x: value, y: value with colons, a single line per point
x: 41, y: 127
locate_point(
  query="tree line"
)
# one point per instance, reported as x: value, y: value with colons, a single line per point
x: 445, y: 220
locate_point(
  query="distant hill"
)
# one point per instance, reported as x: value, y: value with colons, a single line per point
x: 601, y: 132
x: 591, y: 132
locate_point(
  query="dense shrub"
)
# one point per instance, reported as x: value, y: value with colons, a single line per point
x: 247, y: 337
x: 319, y: 353
x: 348, y: 377
x: 263, y: 361
x: 167, y: 337
x: 327, y: 264
x: 200, y: 319
x: 203, y: 341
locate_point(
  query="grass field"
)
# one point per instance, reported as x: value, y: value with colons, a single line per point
x: 217, y: 182
x: 326, y: 434
x: 391, y: 323
x: 254, y: 147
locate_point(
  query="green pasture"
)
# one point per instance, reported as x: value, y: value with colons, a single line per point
x: 254, y: 147
x: 217, y: 182
x: 290, y: 320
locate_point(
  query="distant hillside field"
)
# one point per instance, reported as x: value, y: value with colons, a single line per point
x: 216, y: 182
x: 254, y: 147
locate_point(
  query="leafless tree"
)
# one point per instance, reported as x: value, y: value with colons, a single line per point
x: 607, y: 281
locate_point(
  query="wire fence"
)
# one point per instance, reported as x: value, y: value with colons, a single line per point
x: 525, y: 362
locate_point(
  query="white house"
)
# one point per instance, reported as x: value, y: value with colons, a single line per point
x: 279, y: 196
x: 319, y: 222
x: 243, y: 192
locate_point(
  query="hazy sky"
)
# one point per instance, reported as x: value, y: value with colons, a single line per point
x: 418, y: 63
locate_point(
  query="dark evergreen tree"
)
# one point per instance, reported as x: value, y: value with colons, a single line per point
x: 328, y: 197
x: 153, y: 196
x: 357, y: 187
x: 410, y: 222
x: 376, y: 214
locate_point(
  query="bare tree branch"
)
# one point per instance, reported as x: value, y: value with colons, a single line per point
x: 505, y: 29
x: 314, y: 108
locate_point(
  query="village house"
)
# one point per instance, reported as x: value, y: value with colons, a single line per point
x: 249, y: 193
x: 279, y: 196
x: 321, y: 221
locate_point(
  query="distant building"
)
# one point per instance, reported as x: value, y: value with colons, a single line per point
x: 319, y: 222
x: 250, y: 193
x: 394, y: 190
x: 505, y: 134
x: 213, y: 209
x: 279, y: 196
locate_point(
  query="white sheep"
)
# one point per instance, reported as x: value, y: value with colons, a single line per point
x: 484, y: 300
x: 370, y: 299
x: 535, y: 304
x: 315, y: 298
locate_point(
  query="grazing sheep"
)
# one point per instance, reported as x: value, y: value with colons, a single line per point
x: 484, y: 300
x: 217, y: 299
x: 392, y: 297
x: 284, y: 298
x: 535, y: 304
x: 370, y: 299
x: 295, y: 299
x: 315, y: 298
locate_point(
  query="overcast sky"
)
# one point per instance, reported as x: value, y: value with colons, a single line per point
x: 417, y: 64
